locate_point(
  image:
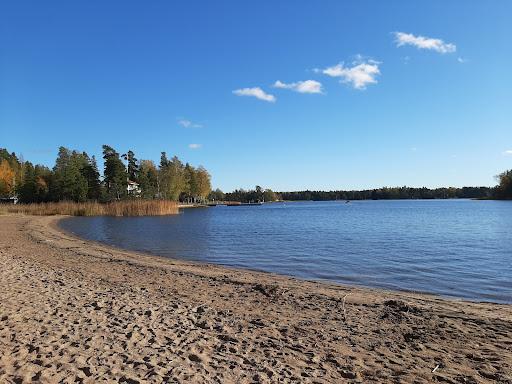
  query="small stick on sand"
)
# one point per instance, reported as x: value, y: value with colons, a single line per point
x: 435, y: 369
x: 343, y: 307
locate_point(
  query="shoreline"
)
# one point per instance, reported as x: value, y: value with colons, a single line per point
x: 107, y: 313
x: 58, y: 218
x: 55, y: 225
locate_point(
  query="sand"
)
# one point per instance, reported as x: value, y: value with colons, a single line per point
x: 73, y: 311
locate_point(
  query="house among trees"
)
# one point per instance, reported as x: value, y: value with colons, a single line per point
x: 76, y: 177
x: 133, y: 188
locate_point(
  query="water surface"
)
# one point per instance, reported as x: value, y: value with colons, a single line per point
x: 458, y: 248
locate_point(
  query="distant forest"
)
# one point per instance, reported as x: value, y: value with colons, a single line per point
x: 76, y: 177
x: 259, y: 194
x: 501, y: 191
x: 393, y: 193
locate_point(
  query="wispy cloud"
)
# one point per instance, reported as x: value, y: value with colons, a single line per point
x: 307, y: 86
x: 359, y: 75
x: 508, y: 152
x: 195, y: 146
x: 462, y: 60
x: 256, y: 92
x: 188, y: 124
x: 422, y: 42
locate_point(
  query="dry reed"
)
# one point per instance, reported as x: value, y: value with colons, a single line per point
x: 117, y: 208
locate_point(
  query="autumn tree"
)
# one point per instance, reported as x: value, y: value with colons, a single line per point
x: 173, y: 181
x: 7, y: 179
x: 15, y: 165
x: 203, y: 181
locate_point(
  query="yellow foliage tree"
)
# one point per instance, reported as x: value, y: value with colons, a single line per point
x: 6, y: 179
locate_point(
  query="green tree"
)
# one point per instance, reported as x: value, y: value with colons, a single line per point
x: 69, y: 182
x: 92, y: 176
x: 27, y: 189
x: 164, y: 179
x: 133, y: 167
x: 148, y: 179
x: 164, y: 162
x: 217, y: 195
x: 34, y: 187
x: 269, y: 195
x: 191, y: 187
x: 115, y: 176
x: 504, y: 189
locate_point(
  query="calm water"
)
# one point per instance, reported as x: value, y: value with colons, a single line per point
x: 459, y: 248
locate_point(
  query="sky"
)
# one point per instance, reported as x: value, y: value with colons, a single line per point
x: 289, y: 95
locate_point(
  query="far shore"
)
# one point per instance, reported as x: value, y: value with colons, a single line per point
x: 78, y: 311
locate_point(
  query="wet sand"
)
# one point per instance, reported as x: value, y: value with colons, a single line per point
x: 73, y: 311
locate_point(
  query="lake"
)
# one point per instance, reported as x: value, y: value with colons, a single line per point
x: 456, y: 248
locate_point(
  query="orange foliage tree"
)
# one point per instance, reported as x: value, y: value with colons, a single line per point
x: 6, y: 178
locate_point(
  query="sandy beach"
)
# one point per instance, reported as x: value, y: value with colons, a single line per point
x: 73, y: 311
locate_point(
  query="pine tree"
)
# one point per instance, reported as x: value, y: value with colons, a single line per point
x: 69, y: 183
x: 27, y: 189
x: 164, y: 162
x: 92, y: 175
x: 114, y: 174
x: 133, y: 167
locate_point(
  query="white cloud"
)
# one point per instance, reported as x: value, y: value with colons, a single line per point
x: 195, y: 146
x: 188, y: 124
x: 508, y: 152
x: 307, y: 86
x: 256, y: 92
x: 362, y: 72
x: 422, y: 42
x: 462, y: 60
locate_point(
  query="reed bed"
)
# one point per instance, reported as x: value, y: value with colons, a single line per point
x: 117, y: 208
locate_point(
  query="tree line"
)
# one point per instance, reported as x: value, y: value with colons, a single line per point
x: 502, y: 191
x: 393, y: 193
x: 76, y: 177
x: 257, y: 194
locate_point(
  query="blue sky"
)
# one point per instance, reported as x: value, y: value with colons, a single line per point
x: 412, y: 93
